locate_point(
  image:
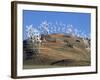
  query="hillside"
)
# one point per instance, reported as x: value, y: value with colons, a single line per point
x: 58, y: 50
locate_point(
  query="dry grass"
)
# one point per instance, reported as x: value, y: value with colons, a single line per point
x: 56, y: 54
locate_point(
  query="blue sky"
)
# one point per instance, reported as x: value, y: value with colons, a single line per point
x: 80, y: 21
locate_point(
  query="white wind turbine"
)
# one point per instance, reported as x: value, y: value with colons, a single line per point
x: 45, y: 25
x: 30, y: 31
x: 69, y: 29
